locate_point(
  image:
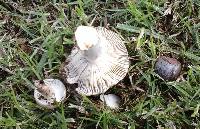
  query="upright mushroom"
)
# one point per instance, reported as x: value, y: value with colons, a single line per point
x: 98, y: 61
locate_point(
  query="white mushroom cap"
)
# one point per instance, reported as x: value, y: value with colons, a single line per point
x: 111, y: 100
x: 101, y: 64
x: 49, y: 91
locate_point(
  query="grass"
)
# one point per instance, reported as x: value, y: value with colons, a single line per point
x: 37, y: 36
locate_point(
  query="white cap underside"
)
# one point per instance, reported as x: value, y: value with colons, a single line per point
x: 110, y: 67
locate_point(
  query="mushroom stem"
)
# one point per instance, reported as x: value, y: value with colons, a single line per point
x: 92, y: 53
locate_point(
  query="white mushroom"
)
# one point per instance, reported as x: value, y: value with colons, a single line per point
x: 49, y: 92
x: 99, y: 61
x: 111, y: 100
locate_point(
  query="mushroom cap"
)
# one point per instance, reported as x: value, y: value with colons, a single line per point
x: 111, y: 100
x: 101, y: 66
x: 51, y: 91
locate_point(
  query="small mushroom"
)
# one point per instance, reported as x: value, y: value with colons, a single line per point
x: 168, y: 68
x: 98, y: 61
x: 111, y: 100
x: 49, y: 92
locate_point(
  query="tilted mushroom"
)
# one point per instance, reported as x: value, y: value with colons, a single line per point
x: 48, y: 92
x: 99, y: 61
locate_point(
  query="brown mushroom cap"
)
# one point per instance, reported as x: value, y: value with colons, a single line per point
x: 100, y: 67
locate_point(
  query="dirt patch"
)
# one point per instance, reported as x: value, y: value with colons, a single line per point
x: 3, y: 75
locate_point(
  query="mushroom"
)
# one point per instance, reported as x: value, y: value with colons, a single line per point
x: 49, y: 92
x: 111, y: 100
x: 98, y: 61
x: 168, y: 68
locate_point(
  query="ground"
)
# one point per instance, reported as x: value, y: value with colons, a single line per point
x: 36, y: 36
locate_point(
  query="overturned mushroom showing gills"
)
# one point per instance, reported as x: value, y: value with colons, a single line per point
x: 111, y: 100
x: 168, y: 68
x: 99, y: 61
x: 49, y: 92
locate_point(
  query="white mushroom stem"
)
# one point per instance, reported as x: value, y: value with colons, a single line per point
x: 89, y: 44
x: 92, y: 53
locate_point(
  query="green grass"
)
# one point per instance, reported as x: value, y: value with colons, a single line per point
x: 37, y: 36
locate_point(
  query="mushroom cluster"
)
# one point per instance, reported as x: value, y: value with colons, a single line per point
x: 98, y: 61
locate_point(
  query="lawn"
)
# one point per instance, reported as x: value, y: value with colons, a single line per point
x: 36, y: 36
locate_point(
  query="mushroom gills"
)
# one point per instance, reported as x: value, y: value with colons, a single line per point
x: 99, y: 67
